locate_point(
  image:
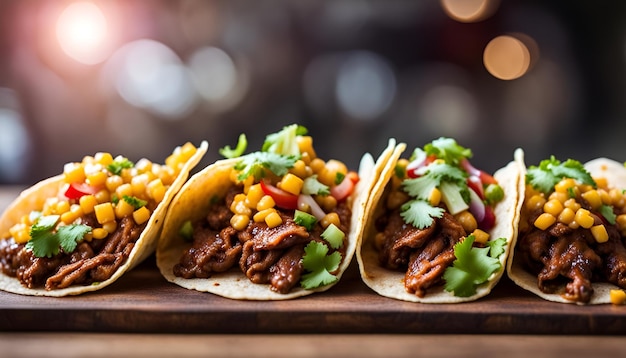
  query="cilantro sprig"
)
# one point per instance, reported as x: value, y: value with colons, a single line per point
x: 473, y: 265
x: 550, y: 171
x: 46, y: 241
x: 118, y: 164
x: 448, y: 150
x: 319, y: 266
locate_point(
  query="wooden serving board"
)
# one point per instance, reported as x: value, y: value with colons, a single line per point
x: 142, y: 301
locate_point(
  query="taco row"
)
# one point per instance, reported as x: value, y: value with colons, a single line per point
x: 278, y: 223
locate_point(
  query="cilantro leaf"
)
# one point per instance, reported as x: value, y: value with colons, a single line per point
x: 448, y: 150
x: 550, y: 171
x: 319, y: 266
x: 312, y: 186
x: 70, y: 235
x: 118, y: 164
x: 420, y: 213
x: 242, y: 144
x: 256, y: 163
x: 284, y: 142
x: 608, y: 213
x: 135, y: 202
x: 46, y: 242
x: 472, y: 267
x: 334, y: 236
x: 422, y: 186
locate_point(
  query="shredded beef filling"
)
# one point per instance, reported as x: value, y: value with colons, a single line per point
x: 424, y: 254
x: 91, y: 262
x: 561, y: 256
x: 265, y: 255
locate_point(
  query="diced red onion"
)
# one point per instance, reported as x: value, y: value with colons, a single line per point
x: 316, y: 210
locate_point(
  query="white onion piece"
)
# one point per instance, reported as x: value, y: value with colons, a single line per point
x: 476, y: 206
x: 316, y: 210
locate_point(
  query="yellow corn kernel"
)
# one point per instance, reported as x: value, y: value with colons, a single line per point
x: 535, y: 202
x: 604, y: 196
x: 305, y: 144
x: 480, y: 236
x: 291, y: 184
x: 559, y: 196
x: 110, y: 226
x: 265, y: 203
x: 593, y: 198
x: 328, y: 202
x: 620, y: 220
x: 62, y: 207
x: 141, y: 215
x: 128, y: 174
x: 247, y: 183
x: 396, y: 198
x: 156, y: 190
x: 20, y: 233
x: 317, y: 165
x: 254, y: 195
x: 239, y: 222
x: 102, y: 196
x: 166, y: 174
x: 104, y: 212
x: 123, y: 209
x: 330, y: 218
x: 87, y: 202
x: 328, y: 174
x: 572, y: 204
x: 74, y: 213
x: 74, y: 173
x: 240, y: 207
x: 273, y: 219
x: 113, y: 182
x: 567, y: 216
x: 599, y: 233
x: 617, y: 297
x: 186, y: 151
x: 435, y: 197
x: 262, y: 214
x: 96, y: 178
x: 124, y: 190
x: 601, y: 182
x: 299, y: 169
x: 583, y: 218
x: 616, y: 197
x: 467, y: 220
x: 99, y: 233
x: 103, y: 158
x: 553, y: 207
x: 573, y: 225
x: 544, y: 221
x: 564, y: 185
x: 144, y: 165
x: 138, y: 185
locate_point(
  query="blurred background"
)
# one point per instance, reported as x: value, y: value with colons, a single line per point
x: 138, y: 78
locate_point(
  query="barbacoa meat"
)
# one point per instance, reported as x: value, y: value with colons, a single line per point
x: 91, y: 262
x: 423, y: 254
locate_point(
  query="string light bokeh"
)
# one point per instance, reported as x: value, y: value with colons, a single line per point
x: 140, y: 77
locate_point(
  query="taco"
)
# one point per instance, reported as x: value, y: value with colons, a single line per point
x: 275, y: 224
x: 81, y: 230
x: 570, y: 246
x: 438, y: 230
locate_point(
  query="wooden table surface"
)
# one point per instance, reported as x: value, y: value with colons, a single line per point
x: 143, y: 315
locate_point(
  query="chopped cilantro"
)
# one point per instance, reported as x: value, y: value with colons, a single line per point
x: 473, y: 266
x: 46, y: 242
x: 609, y: 215
x: 135, y: 202
x: 284, y: 142
x: 304, y: 219
x: 448, y: 150
x: 242, y: 144
x: 550, y: 171
x: 334, y: 236
x: 420, y: 213
x: 319, y: 265
x: 118, y: 164
x: 312, y: 186
x: 256, y: 163
x: 339, y: 178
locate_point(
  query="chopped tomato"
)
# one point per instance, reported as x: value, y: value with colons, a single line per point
x: 343, y: 190
x: 282, y: 198
x: 476, y: 184
x: 487, y: 178
x: 77, y: 190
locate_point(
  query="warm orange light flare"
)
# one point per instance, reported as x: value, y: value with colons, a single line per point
x: 469, y: 10
x: 82, y: 32
x: 506, y: 58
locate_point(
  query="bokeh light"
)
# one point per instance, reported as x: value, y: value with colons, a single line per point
x: 15, y: 142
x: 470, y: 10
x: 506, y: 57
x: 82, y: 32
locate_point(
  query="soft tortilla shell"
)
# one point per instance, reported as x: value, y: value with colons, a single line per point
x: 210, y: 186
x: 390, y: 283
x: 615, y: 173
x: 34, y: 198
